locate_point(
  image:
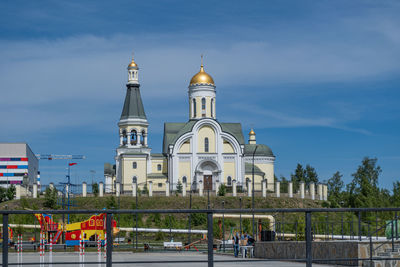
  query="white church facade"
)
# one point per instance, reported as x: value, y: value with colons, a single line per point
x: 202, y: 152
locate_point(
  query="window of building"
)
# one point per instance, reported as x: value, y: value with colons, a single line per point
x: 159, y: 184
x: 206, y: 145
x: 184, y: 179
x: 159, y: 167
x: 194, y: 107
x: 134, y: 165
x: 124, y: 137
x: 133, y: 137
x: 203, y: 104
x: 134, y: 180
x: 229, y: 180
x: 212, y: 107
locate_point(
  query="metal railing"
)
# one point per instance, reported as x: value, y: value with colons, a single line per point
x: 308, y: 233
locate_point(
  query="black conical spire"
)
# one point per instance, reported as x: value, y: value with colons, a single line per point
x: 133, y: 106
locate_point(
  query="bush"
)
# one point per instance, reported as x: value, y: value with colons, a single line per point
x: 95, y: 189
x: 50, y: 198
x: 11, y: 191
x: 222, y: 190
x: 179, y: 187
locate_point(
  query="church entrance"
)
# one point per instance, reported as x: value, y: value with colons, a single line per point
x: 207, y: 182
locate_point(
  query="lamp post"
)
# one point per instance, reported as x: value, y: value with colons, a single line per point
x: 223, y: 226
x: 252, y: 193
x: 190, y: 215
x: 136, y: 216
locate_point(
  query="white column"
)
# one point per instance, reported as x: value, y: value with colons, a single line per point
x: 320, y: 191
x: 201, y: 188
x: 184, y: 189
x: 167, y: 188
x: 150, y: 188
x: 134, y: 189
x: 51, y: 186
x: 290, y: 189
x: 301, y: 189
x: 249, y: 189
x: 145, y: 139
x: 84, y: 189
x: 121, y: 139
x: 325, y: 192
x: 128, y: 139
x: 17, y: 191
x: 216, y: 187
x: 117, y: 189
x: 264, y: 188
x: 101, y: 189
x: 278, y: 189
x: 234, y: 188
x: 312, y: 190
x: 34, y: 190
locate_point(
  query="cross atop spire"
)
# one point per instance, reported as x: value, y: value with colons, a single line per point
x: 201, y: 60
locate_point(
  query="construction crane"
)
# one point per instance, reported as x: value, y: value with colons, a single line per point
x: 52, y: 156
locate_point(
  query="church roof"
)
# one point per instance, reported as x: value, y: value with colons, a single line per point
x: 174, y: 130
x: 262, y: 150
x: 249, y: 169
x: 133, y: 105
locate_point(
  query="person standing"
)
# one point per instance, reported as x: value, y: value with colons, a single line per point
x: 236, y: 241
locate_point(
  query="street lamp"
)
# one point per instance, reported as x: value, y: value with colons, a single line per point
x: 240, y: 206
x: 223, y: 225
x: 136, y: 215
x: 252, y: 193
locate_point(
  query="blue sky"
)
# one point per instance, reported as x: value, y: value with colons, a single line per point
x: 318, y: 80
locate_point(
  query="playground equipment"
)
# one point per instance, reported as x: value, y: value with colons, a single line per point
x: 89, y: 229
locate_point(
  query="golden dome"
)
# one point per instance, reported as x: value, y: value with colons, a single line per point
x: 252, y: 132
x: 132, y: 64
x: 202, y: 77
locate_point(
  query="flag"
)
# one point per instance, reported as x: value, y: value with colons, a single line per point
x: 72, y: 164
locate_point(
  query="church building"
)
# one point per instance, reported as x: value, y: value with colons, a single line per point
x: 199, y: 152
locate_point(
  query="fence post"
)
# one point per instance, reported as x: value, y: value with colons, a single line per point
x: 5, y: 239
x: 302, y: 189
x: 359, y: 226
x: 101, y: 189
x: 84, y: 189
x: 312, y: 190
x: 308, y: 240
x: 210, y: 239
x: 109, y: 240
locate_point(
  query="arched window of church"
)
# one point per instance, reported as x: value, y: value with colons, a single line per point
x: 203, y: 104
x: 184, y: 180
x: 212, y: 107
x: 134, y: 180
x: 133, y: 137
x: 194, y: 107
x: 159, y: 167
x: 206, y: 145
x: 124, y: 137
x: 134, y: 165
x: 229, y: 180
x: 142, y: 137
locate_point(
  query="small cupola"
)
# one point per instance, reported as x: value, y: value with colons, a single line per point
x: 252, y: 137
x: 133, y: 70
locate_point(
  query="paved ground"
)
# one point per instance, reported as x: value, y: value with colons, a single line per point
x: 124, y: 257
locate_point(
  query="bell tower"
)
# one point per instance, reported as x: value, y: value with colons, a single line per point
x: 133, y: 123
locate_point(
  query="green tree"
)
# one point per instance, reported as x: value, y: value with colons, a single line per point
x: 284, y: 184
x: 363, y: 189
x: 222, y: 190
x: 298, y: 176
x: 311, y: 175
x: 145, y: 190
x: 50, y: 198
x: 395, y: 198
x: 335, y: 187
x: 179, y: 187
x: 95, y: 189
x: 10, y: 193
x: 3, y: 196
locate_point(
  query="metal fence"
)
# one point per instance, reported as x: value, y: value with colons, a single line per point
x: 305, y: 214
